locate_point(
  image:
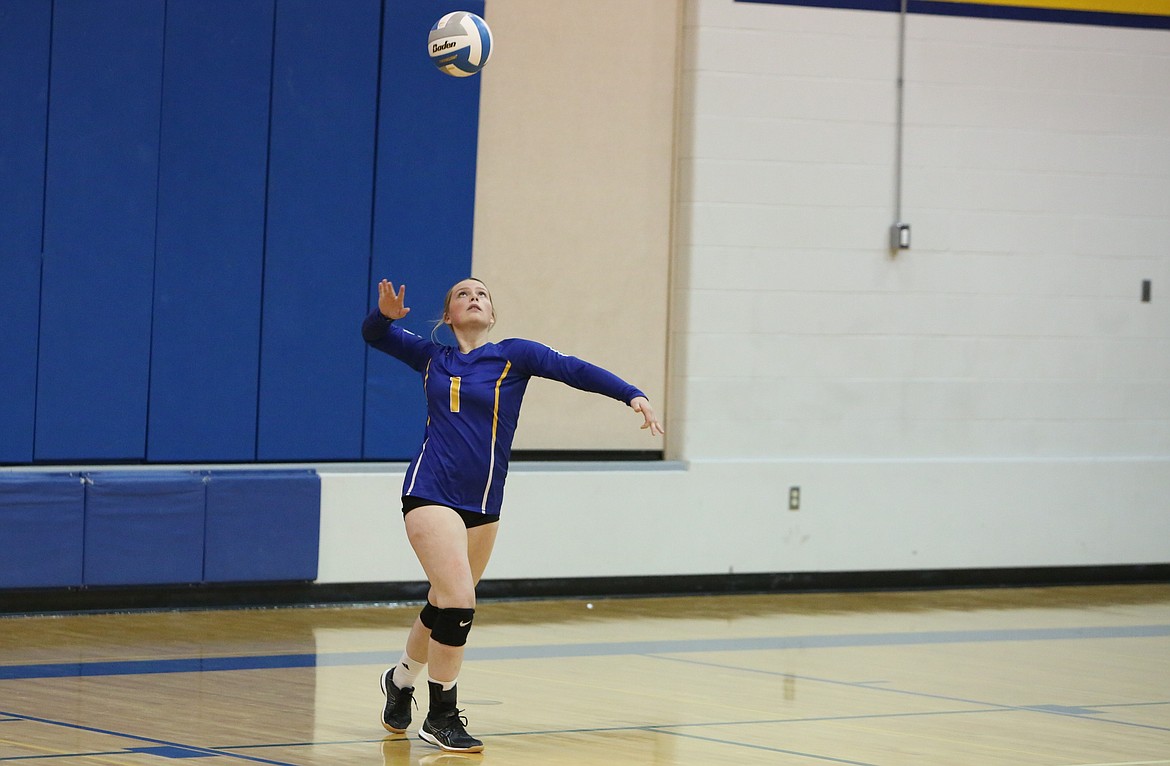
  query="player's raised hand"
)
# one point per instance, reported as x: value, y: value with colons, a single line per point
x: 392, y: 304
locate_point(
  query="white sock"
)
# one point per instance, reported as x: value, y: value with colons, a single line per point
x: 406, y: 671
x: 447, y: 685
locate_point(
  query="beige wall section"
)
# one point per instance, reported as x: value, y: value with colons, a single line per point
x: 574, y: 198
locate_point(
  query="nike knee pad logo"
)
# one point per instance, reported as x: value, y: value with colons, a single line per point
x: 452, y: 626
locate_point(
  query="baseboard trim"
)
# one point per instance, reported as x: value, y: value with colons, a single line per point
x: 288, y: 594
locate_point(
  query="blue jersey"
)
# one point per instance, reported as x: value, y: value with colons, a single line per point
x: 473, y: 406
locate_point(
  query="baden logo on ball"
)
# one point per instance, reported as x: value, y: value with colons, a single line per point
x: 460, y: 44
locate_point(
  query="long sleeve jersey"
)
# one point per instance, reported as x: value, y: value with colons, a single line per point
x: 473, y: 406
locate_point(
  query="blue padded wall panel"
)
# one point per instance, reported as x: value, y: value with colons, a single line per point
x: 206, y: 343
x: 262, y: 526
x: 100, y: 204
x: 24, y: 98
x: 425, y: 203
x: 144, y: 527
x: 41, y: 530
x: 320, y: 196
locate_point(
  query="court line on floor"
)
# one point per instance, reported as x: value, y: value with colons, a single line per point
x: 650, y: 649
x: 814, y: 756
x: 1068, y: 713
x: 202, y: 751
x: 151, y: 667
x: 674, y: 729
x: 644, y: 727
x: 559, y: 651
x: 665, y: 729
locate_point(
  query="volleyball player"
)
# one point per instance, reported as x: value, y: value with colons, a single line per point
x: 454, y: 486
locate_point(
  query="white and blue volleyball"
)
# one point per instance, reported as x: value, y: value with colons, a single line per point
x: 460, y: 44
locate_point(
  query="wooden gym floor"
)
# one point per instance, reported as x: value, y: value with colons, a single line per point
x: 1013, y: 677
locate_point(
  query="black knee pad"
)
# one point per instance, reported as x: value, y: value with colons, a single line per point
x: 427, y: 615
x: 452, y: 626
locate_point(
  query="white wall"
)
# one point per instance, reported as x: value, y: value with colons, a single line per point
x: 573, y: 200
x: 997, y: 396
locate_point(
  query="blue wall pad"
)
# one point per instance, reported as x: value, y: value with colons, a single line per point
x: 24, y: 101
x: 196, y: 196
x: 24, y: 98
x: 320, y: 202
x: 144, y: 527
x: 209, y: 264
x: 425, y: 202
x: 41, y: 530
x: 262, y: 525
x: 100, y: 204
x: 20, y: 284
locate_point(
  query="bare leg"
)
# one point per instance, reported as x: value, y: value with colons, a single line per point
x: 454, y: 559
x: 419, y: 640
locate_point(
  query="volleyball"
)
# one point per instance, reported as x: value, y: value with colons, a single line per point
x: 460, y: 44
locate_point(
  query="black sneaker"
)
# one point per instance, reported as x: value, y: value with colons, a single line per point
x: 448, y: 734
x: 396, y: 716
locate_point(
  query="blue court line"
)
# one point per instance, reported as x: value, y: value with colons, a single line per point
x: 999, y: 707
x: 148, y: 667
x: 159, y: 750
x: 132, y: 737
x: 644, y: 648
x: 717, y: 741
x: 831, y: 641
x: 229, y: 751
x: 557, y: 651
x: 670, y: 729
x: 658, y: 727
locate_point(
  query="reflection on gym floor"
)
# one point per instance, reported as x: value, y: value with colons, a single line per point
x: 1013, y: 677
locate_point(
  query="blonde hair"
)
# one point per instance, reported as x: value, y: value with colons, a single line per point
x: 442, y: 320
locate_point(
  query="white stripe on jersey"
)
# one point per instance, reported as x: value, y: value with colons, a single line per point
x: 417, y: 465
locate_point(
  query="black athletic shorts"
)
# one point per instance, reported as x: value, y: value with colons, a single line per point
x: 470, y: 518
